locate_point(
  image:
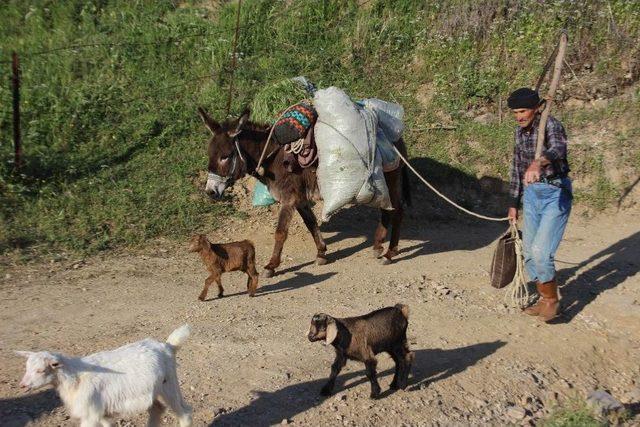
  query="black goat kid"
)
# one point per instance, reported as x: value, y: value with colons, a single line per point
x: 361, y: 338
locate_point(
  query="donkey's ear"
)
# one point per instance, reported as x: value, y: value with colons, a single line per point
x: 332, y: 331
x: 242, y: 120
x: 211, y: 124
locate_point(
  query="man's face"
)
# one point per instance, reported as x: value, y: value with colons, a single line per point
x: 524, y: 116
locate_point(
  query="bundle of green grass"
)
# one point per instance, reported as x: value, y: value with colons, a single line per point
x: 274, y: 99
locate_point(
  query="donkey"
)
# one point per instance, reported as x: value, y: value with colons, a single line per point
x: 234, y: 150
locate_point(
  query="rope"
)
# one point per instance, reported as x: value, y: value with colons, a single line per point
x: 519, y: 294
x: 259, y: 168
x: 295, y: 147
x: 416, y: 173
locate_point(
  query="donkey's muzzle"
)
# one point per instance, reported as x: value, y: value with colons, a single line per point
x: 216, y: 185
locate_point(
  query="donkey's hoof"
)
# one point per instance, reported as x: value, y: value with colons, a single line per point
x: 268, y: 273
x: 385, y: 261
x: 377, y: 253
x: 321, y: 260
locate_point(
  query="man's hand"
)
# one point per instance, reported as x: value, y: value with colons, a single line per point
x: 513, y: 214
x: 532, y: 174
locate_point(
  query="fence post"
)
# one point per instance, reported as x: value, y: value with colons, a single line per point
x: 17, y: 144
x: 233, y: 58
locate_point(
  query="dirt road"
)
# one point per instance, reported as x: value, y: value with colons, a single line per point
x: 249, y: 363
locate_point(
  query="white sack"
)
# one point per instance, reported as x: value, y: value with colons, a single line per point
x: 390, y: 117
x: 349, y: 168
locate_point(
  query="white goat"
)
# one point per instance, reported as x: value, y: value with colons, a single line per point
x: 121, y: 382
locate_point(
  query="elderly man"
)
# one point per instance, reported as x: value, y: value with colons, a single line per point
x: 544, y: 188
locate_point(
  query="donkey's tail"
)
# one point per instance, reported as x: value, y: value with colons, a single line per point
x: 400, y: 146
x: 406, y: 186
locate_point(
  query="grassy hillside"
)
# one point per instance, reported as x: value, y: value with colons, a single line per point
x: 113, y: 147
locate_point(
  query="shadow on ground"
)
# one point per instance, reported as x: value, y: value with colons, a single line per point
x: 20, y: 411
x: 430, y: 366
x: 614, y: 265
x: 299, y: 280
x: 423, y: 221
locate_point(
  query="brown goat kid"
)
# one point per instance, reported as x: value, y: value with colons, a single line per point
x: 361, y: 338
x: 223, y: 257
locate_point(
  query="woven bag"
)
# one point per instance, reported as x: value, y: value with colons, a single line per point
x: 503, y: 264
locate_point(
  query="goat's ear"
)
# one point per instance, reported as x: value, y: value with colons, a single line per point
x: 242, y: 120
x: 332, y: 331
x: 24, y: 353
x: 53, y: 362
x: 211, y: 124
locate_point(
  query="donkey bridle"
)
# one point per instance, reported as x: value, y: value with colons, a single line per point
x: 234, y: 159
x: 236, y: 153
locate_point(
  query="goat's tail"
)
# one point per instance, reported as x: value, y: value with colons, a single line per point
x: 404, y: 309
x: 179, y: 336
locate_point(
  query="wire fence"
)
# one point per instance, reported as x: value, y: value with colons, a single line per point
x: 82, y: 46
x: 15, y: 75
x: 78, y: 47
x: 168, y: 40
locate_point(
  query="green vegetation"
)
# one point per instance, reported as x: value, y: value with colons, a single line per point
x: 575, y: 416
x: 272, y: 99
x: 113, y: 147
x: 576, y: 413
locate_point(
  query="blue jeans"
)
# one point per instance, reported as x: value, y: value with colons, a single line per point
x: 546, y: 212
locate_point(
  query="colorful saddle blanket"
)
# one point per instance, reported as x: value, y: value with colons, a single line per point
x: 295, y: 123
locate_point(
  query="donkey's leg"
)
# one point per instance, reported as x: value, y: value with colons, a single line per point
x: 282, y: 230
x: 310, y: 221
x: 396, y: 221
x: 381, y: 232
x: 394, y: 182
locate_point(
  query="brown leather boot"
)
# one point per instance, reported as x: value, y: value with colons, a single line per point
x: 534, y: 310
x: 550, y: 301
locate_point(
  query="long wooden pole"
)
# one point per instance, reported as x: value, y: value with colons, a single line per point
x: 557, y: 70
x: 233, y: 58
x: 17, y: 143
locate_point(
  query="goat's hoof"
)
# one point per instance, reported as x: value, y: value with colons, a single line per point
x: 202, y: 298
x: 375, y: 394
x: 268, y: 273
x: 320, y: 260
x: 220, y: 295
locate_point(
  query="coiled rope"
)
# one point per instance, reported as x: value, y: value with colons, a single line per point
x: 519, y: 294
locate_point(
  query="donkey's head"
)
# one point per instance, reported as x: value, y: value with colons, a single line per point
x: 227, y: 162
